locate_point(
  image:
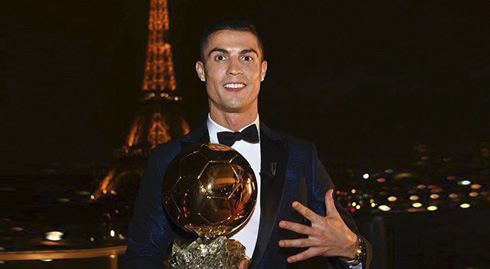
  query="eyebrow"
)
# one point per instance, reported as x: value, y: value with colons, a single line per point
x: 245, y: 51
x: 249, y: 50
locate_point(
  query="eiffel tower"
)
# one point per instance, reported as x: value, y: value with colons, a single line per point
x: 159, y: 119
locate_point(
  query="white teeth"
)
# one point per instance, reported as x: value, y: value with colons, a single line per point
x: 234, y: 85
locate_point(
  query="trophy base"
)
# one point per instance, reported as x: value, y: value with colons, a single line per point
x: 220, y: 252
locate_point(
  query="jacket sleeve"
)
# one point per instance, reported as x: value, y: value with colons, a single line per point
x: 149, y: 234
x: 321, y: 184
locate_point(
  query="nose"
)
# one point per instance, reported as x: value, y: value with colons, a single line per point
x: 234, y: 68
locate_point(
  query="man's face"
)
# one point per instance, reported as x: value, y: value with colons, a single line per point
x: 232, y: 69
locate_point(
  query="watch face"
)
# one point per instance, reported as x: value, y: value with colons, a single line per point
x: 360, y: 253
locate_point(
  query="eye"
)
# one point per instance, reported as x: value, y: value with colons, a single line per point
x: 247, y: 58
x: 219, y: 58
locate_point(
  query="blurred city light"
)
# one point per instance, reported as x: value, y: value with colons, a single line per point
x: 417, y: 205
x: 53, y: 235
x: 384, y: 208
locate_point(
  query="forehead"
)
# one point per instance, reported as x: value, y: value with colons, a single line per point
x: 232, y: 40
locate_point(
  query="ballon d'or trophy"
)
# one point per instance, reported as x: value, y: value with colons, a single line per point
x: 209, y: 190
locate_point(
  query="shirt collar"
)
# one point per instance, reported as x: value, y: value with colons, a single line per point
x: 214, y: 128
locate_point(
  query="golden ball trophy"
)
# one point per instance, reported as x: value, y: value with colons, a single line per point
x: 209, y: 190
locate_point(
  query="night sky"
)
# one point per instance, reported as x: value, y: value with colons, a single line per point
x: 362, y: 80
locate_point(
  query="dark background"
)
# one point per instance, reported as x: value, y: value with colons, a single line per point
x: 364, y: 81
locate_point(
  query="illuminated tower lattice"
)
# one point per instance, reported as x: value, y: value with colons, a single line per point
x: 159, y: 67
x: 159, y: 119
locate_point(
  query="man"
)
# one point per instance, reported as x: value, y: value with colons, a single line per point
x: 296, y: 220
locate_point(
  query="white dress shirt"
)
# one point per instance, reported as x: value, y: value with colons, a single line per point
x: 251, y: 151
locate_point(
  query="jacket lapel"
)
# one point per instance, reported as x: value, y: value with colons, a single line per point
x: 199, y: 135
x: 274, y: 156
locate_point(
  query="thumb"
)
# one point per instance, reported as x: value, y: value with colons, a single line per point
x: 330, y: 204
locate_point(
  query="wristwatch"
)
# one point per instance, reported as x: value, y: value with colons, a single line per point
x: 360, y: 253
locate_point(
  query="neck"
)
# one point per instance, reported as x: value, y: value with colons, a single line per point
x: 233, y: 120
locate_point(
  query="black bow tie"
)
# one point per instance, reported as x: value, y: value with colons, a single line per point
x: 250, y: 134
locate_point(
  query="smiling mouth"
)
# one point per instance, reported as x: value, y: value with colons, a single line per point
x: 234, y: 86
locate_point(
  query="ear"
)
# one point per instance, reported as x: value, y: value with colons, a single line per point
x: 263, y: 70
x: 200, y: 70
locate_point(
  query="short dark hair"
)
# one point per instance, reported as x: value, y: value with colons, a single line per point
x: 240, y: 25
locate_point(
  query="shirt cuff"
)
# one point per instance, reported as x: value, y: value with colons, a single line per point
x: 359, y: 266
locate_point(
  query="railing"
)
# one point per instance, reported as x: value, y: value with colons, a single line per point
x: 110, y: 252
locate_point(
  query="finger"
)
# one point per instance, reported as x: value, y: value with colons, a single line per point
x: 309, y: 253
x: 244, y: 264
x: 297, y: 227
x: 299, y: 243
x: 330, y: 205
x: 307, y: 213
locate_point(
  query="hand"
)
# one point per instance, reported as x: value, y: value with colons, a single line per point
x: 244, y: 264
x: 328, y: 236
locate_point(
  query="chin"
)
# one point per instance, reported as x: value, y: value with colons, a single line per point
x: 233, y: 105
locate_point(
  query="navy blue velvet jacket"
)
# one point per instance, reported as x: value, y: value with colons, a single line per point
x: 299, y: 176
